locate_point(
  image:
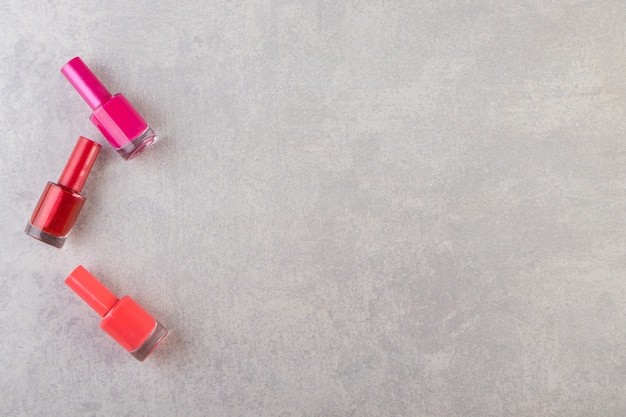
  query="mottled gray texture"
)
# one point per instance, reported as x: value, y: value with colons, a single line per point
x: 360, y: 208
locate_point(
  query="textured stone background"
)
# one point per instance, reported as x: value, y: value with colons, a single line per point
x: 357, y: 208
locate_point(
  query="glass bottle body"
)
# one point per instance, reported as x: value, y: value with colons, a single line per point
x: 123, y: 126
x: 55, y: 214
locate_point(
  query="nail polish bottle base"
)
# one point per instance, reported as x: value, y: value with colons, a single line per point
x: 55, y: 241
x: 137, y: 146
x: 151, y: 343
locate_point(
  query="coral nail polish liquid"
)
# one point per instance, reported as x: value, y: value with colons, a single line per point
x: 60, y: 203
x: 113, y: 115
x: 123, y: 319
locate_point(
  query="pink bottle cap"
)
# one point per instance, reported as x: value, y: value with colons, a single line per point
x: 85, y: 82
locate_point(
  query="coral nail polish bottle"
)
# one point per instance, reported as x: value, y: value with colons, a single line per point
x: 60, y: 204
x: 116, y: 118
x: 123, y: 319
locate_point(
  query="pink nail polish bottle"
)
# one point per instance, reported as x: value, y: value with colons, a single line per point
x: 113, y: 115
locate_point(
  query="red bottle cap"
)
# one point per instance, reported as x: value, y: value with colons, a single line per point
x: 79, y: 165
x: 91, y: 290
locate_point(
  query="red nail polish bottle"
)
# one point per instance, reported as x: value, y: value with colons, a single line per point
x: 60, y: 204
x: 123, y: 319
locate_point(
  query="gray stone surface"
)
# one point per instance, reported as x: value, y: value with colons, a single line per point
x: 357, y: 208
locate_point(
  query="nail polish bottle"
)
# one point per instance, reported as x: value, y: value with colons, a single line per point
x: 60, y: 203
x: 113, y: 115
x: 123, y: 319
